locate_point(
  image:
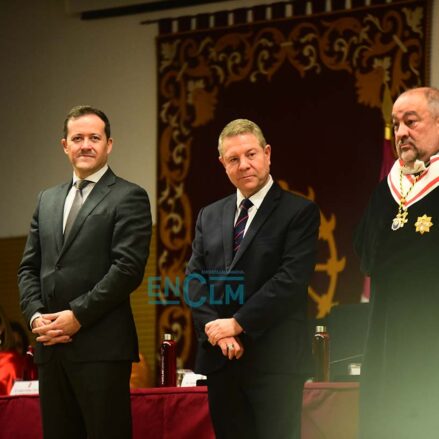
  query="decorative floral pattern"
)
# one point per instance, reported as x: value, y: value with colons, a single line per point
x: 381, y: 47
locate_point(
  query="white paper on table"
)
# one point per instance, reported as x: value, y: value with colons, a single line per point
x: 190, y: 379
x: 25, y: 388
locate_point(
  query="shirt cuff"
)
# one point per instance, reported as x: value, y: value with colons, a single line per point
x: 35, y: 316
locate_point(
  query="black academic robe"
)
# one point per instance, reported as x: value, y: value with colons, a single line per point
x: 399, y: 394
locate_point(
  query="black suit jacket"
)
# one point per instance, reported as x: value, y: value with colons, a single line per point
x: 93, y: 272
x: 276, y: 259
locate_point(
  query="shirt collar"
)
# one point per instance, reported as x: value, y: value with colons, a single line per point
x: 93, y: 177
x: 258, y: 197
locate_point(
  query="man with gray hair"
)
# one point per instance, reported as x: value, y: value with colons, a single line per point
x: 261, y: 241
x: 398, y: 243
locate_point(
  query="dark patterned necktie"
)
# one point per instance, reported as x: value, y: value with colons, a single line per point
x: 238, y: 231
x: 76, y: 206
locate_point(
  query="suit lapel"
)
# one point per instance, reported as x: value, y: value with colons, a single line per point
x: 58, y: 214
x: 228, y: 216
x: 98, y: 193
x: 271, y: 200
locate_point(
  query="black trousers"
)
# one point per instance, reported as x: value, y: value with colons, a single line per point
x: 247, y: 404
x: 81, y: 400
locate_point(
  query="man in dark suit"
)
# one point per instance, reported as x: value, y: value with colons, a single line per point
x: 85, y: 253
x: 252, y: 334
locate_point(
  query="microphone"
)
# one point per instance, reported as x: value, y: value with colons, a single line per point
x: 352, y: 357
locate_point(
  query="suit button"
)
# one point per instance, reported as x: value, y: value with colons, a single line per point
x: 57, y: 267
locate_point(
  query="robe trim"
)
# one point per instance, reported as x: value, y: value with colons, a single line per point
x: 427, y: 182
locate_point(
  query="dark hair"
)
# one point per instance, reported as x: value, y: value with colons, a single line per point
x: 6, y: 337
x: 18, y: 328
x: 82, y: 110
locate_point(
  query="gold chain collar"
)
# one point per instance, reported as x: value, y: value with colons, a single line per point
x: 401, y: 217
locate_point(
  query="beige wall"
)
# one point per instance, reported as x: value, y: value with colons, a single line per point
x: 53, y: 62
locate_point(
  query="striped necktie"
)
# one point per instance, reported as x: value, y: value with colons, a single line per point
x: 238, y: 231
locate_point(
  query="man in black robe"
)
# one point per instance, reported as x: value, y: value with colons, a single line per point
x: 398, y: 243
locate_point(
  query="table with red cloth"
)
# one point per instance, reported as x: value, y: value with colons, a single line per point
x: 330, y: 411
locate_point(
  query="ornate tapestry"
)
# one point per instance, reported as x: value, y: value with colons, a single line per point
x: 320, y: 85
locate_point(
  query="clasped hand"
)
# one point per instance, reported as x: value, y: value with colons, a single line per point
x: 55, y: 328
x: 223, y: 332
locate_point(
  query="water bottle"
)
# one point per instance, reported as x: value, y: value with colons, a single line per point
x: 321, y: 354
x: 168, y: 362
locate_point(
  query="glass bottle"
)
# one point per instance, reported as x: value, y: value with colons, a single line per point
x: 168, y: 362
x: 321, y: 354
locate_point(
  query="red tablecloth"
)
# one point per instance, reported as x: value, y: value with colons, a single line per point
x: 171, y: 413
x: 330, y: 411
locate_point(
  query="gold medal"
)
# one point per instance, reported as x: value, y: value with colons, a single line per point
x: 423, y: 224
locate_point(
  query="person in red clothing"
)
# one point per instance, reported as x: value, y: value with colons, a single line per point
x: 11, y: 362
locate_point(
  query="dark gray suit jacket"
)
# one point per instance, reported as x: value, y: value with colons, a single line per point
x: 276, y: 259
x: 93, y: 272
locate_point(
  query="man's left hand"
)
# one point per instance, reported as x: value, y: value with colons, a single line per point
x: 231, y: 347
x: 221, y: 328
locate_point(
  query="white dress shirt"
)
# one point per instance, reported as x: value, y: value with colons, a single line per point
x: 256, y: 199
x: 93, y: 178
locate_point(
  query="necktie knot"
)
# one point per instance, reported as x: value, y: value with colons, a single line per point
x: 80, y: 184
x: 246, y: 204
